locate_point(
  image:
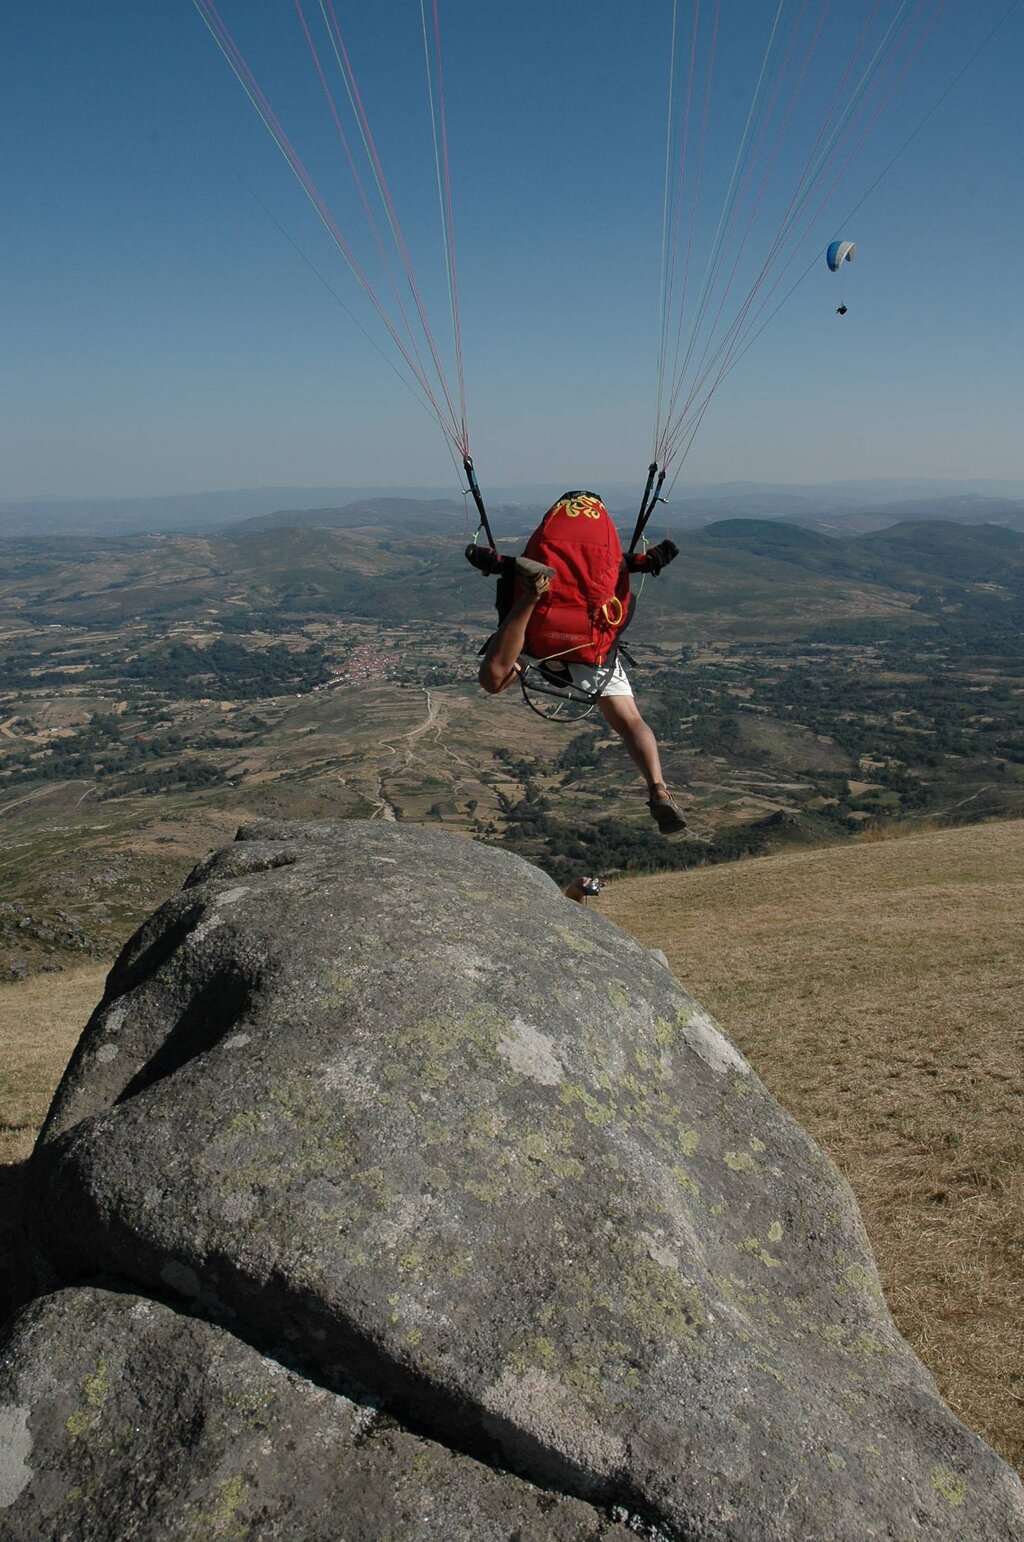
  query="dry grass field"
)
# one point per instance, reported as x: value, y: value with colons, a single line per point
x: 878, y: 991
x: 40, y: 1023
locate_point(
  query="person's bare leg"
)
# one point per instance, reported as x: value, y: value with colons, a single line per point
x: 623, y: 714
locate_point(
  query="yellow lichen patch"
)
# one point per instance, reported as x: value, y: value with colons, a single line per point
x: 94, y: 1395
x: 666, y: 1033
x: 862, y: 1279
x: 486, y: 1190
x: 339, y: 985
x: 374, y: 1188
x: 485, y: 1122
x: 436, y: 1045
x: 544, y: 1352
x: 753, y: 1245
x: 757, y: 1145
x: 572, y: 940
x: 775, y: 1232
x: 584, y: 1380
x: 834, y: 1462
x: 594, y: 1111
x: 458, y: 1265
x: 952, y: 1488
x: 617, y: 995
x: 738, y: 1161
x: 548, y: 1149
x: 685, y: 1182
x: 688, y: 1140
x: 656, y: 1298
x: 863, y: 1344
x: 437, y: 1180
x: 245, y: 1123
x: 224, y: 1521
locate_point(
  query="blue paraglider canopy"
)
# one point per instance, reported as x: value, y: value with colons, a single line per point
x: 840, y: 252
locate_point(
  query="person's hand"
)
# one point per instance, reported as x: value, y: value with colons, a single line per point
x: 660, y: 556
x: 485, y: 558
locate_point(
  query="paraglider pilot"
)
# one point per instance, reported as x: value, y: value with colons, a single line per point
x: 508, y: 651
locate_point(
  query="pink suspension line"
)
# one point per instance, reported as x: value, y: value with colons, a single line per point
x: 447, y: 420
x: 327, y: 6
x: 907, y: 142
x: 668, y: 285
x: 747, y: 177
x: 737, y: 342
x: 740, y: 343
x: 679, y: 370
x: 701, y: 371
x: 449, y: 227
x: 357, y: 179
x: 734, y: 341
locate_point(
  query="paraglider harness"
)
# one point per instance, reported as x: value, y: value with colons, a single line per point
x: 550, y: 678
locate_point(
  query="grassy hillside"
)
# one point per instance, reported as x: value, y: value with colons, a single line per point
x: 876, y: 989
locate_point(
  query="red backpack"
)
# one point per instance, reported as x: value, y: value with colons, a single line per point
x: 587, y: 605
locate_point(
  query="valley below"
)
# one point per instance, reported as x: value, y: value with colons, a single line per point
x: 158, y: 691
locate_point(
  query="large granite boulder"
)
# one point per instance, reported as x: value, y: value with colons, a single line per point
x: 122, y: 1419
x: 384, y: 1101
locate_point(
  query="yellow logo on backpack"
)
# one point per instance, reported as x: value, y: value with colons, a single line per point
x: 580, y: 503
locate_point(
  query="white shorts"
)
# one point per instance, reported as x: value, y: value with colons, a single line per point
x: 594, y: 677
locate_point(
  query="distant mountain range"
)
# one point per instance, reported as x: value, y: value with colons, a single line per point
x: 739, y: 574
x: 836, y: 507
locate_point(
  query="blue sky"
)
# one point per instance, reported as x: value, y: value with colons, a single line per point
x: 159, y: 334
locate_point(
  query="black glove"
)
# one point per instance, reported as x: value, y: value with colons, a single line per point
x: 660, y: 556
x: 485, y: 558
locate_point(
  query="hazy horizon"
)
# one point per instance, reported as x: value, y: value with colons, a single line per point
x: 920, y: 484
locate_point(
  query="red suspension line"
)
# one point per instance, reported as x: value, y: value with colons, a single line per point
x: 678, y: 193
x: 357, y: 179
x: 731, y: 339
x: 352, y: 86
x: 247, y: 80
x: 736, y: 341
x: 782, y: 231
x: 449, y: 224
x: 677, y: 372
x: 749, y: 172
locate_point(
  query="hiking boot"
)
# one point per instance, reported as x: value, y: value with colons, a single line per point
x: 665, y: 811
x: 534, y: 576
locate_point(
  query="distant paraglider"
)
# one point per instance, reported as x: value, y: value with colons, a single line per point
x: 838, y: 253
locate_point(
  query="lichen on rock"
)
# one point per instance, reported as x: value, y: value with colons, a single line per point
x: 486, y: 1159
